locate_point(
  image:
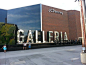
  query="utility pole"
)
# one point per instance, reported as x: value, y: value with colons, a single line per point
x: 83, y: 29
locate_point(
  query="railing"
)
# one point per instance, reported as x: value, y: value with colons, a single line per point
x: 43, y: 45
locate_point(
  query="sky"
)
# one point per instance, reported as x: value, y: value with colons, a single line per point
x: 62, y: 4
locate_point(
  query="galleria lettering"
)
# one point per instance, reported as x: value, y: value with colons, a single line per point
x: 40, y: 37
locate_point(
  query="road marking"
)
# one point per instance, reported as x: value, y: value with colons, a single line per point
x: 71, y: 50
x: 74, y: 58
x: 64, y: 62
x: 20, y: 62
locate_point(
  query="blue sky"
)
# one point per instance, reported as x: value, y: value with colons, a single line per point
x: 26, y: 18
x: 3, y: 15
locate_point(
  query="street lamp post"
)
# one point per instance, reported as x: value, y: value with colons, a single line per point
x: 83, y: 27
x: 83, y: 22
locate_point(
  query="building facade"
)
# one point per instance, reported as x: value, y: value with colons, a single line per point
x: 3, y: 15
x: 45, y: 18
x: 68, y: 22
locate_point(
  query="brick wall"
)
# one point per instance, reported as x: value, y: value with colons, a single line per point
x: 54, y: 21
x: 68, y: 22
x: 74, y: 24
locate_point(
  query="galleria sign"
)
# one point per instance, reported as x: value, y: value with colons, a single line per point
x: 56, y: 36
x: 54, y: 11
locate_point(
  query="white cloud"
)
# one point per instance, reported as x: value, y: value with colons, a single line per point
x: 34, y: 28
x: 31, y: 21
x: 30, y: 8
x: 28, y: 28
x: 17, y: 16
x: 32, y: 13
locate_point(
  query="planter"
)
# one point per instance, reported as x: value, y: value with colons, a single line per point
x: 83, y: 58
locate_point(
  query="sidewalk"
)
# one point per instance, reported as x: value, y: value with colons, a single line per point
x: 67, y: 55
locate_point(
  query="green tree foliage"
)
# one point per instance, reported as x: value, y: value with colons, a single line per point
x: 7, y: 34
x: 12, y: 41
x: 1, y: 24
